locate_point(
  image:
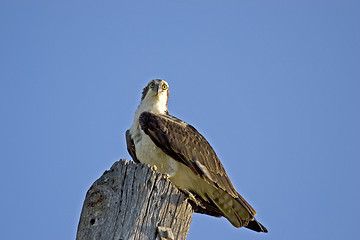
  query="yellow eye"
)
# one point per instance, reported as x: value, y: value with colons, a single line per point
x: 164, y: 87
x: 152, y: 84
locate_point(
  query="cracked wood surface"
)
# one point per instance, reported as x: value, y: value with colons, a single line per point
x: 130, y: 202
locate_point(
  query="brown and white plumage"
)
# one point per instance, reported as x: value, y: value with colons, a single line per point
x: 180, y: 151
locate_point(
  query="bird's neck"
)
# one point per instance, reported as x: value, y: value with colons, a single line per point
x: 151, y: 104
x: 154, y: 104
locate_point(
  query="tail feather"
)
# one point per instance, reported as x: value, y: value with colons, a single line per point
x: 256, y: 226
x: 236, y: 211
x: 232, y: 209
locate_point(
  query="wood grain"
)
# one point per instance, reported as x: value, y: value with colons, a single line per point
x: 131, y: 202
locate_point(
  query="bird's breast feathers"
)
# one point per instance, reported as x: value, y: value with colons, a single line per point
x: 148, y: 153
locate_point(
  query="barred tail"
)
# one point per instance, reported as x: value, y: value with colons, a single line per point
x: 236, y: 210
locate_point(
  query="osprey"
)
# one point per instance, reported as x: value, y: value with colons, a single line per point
x: 177, y: 149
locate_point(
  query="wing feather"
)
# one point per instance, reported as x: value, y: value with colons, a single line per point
x: 131, y: 146
x: 185, y: 144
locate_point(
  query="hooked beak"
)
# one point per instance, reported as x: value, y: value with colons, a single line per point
x: 157, y: 89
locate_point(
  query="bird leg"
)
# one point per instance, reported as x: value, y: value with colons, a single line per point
x: 192, y: 198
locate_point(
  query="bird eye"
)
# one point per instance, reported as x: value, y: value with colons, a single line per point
x: 152, y: 84
x: 164, y: 87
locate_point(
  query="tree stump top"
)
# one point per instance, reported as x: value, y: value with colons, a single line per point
x: 131, y: 201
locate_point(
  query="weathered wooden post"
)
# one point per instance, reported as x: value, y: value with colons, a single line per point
x: 130, y: 202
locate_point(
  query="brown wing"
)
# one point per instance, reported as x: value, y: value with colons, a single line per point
x: 131, y: 146
x: 185, y: 144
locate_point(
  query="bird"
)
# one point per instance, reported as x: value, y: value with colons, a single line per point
x: 176, y: 149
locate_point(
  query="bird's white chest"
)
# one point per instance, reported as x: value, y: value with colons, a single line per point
x: 147, y: 152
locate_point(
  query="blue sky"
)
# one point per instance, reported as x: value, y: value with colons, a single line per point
x: 273, y: 85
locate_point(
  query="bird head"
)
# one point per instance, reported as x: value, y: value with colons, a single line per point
x: 156, y: 88
x: 156, y: 93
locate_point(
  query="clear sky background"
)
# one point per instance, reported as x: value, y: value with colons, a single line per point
x: 273, y: 85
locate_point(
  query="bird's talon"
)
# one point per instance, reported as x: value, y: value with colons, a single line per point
x: 154, y: 167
